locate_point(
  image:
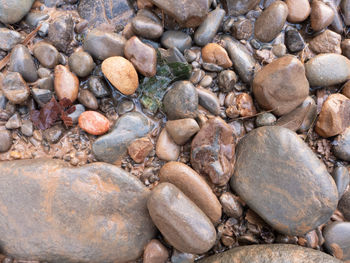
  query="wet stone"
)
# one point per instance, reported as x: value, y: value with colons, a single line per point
x: 66, y: 83
x: 242, y: 29
x: 231, y: 205
x: 15, y: 88
x: 125, y: 106
x: 61, y: 32
x: 345, y: 47
x: 146, y: 24
x: 81, y: 63
x: 345, y: 5
x: 98, y: 87
x: 182, y: 130
x: 172, y: 55
x: 5, y: 140
x: 53, y: 134
x: 14, y: 10
x: 326, y: 42
x: 239, y: 7
x: 341, y: 145
x: 155, y: 252
x: 209, y: 100
x: 265, y: 119
x: 298, y: 10
x: 227, y: 80
x: 47, y: 54
x: 9, y: 38
x: 27, y: 128
x: 294, y: 41
x: 34, y: 18
x: 21, y: 61
x: 79, y: 109
x: 279, y: 50
x: 341, y: 178
x: 166, y: 148
x: 41, y: 96
x: 140, y: 149
x: 14, y: 122
x: 344, y: 205
x: 321, y: 15
x: 46, y: 83
x: 216, y: 54
x: 88, y: 99
x: 176, y: 39
x: 337, y: 240
x: 94, y: 123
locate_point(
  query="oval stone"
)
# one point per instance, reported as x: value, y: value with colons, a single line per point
x: 337, y: 240
x: 283, y: 181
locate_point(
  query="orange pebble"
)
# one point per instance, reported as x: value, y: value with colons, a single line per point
x: 94, y: 123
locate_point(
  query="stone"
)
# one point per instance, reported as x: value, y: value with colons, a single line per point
x: 61, y: 32
x: 193, y: 186
x: 265, y: 119
x: 180, y: 257
x: 239, y: 7
x: 345, y: 47
x: 281, y: 86
x: 182, y: 130
x: 337, y: 239
x: 209, y: 27
x: 79, y: 109
x: 310, y: 116
x: 188, y: 13
x: 334, y: 117
x: 54, y: 134
x: 178, y: 39
x: 209, y: 100
x: 279, y: 50
x: 180, y: 221
x: 326, y: 42
x: 321, y: 15
x: 88, y: 99
x: 213, y: 151
x: 345, y: 5
x: 172, y: 55
x: 98, y: 87
x: 121, y: 73
x: 142, y: 56
x: 341, y: 145
x: 294, y: 41
x: 146, y: 24
x: 166, y: 148
x: 344, y: 205
x: 276, y: 253
x: 155, y: 252
x: 298, y: 10
x: 94, y: 123
x: 270, y: 23
x: 9, y: 39
x: 66, y: 83
x: 81, y: 63
x: 27, y: 128
x: 206, y: 81
x: 288, y: 177
x: 181, y: 101
x: 230, y: 205
x: 34, y: 18
x: 242, y: 29
x: 46, y: 83
x: 327, y: 70
x: 75, y: 206
x: 5, y: 140
x: 227, y: 80
x: 112, y: 147
x: 216, y: 54
x: 102, y: 45
x: 341, y: 178
x: 140, y: 149
x: 15, y: 88
x: 245, y: 105
x: 47, y: 54
x: 13, y: 11
x: 14, y: 122
x: 125, y: 106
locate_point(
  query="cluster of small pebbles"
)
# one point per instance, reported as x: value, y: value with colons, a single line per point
x: 245, y: 159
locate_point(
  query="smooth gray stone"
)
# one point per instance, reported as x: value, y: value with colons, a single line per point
x: 177, y: 39
x: 21, y: 61
x: 12, y: 11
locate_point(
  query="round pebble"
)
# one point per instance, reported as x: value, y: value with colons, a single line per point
x: 94, y: 123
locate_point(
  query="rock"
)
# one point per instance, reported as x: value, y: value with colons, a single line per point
x: 245, y: 105
x: 209, y: 27
x: 94, y: 123
x: 206, y: 81
x: 209, y: 101
x: 27, y: 128
x: 182, y: 130
x: 239, y: 7
x: 44, y: 72
x: 122, y: 74
x: 12, y: 11
x: 102, y: 45
x: 227, y: 80
x: 213, y: 150
x: 334, y: 117
x: 14, y: 122
x: 142, y: 56
x: 345, y: 5
x: 326, y: 42
x: 281, y: 85
x: 141, y: 4
x: 79, y: 109
x: 344, y: 205
x: 265, y: 119
x: 270, y: 23
x: 345, y: 47
x: 341, y: 145
x: 140, y: 149
x: 321, y: 15
x: 176, y: 39
x: 98, y: 87
x: 112, y: 147
x: 327, y: 69
x: 81, y: 63
x: 230, y: 205
x: 180, y: 257
x: 76, y: 206
x: 337, y: 239
x: 166, y: 148
x: 180, y: 221
x: 172, y: 55
x: 193, y: 186
x: 54, y: 134
x: 294, y: 41
x: 342, y: 179
x: 216, y: 54
x: 66, y: 83
x: 155, y: 252
x: 61, y: 32
x: 15, y: 88
x: 337, y: 23
x: 282, y: 163
x: 279, y: 50
x: 243, y: 29
x: 188, y: 13
x: 310, y: 116
x: 21, y: 61
x: 298, y: 10
x: 276, y: 253
x: 5, y: 140
x: 9, y: 39
x: 125, y: 106
x: 88, y: 99
x: 47, y: 54
x: 196, y: 76
x: 181, y: 101
x: 46, y: 83
x: 146, y: 24
x: 34, y: 18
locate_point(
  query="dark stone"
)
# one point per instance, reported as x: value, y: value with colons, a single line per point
x: 294, y: 41
x: 146, y: 24
x: 283, y: 181
x: 177, y: 39
x: 344, y: 205
x: 41, y: 96
x: 239, y: 7
x: 5, y: 141
x: 53, y: 134
x: 21, y: 61
x: 337, y: 240
x: 341, y: 178
x: 61, y: 32
x: 341, y: 145
x: 12, y: 11
x: 9, y: 38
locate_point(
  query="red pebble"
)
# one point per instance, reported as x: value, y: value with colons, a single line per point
x: 94, y: 123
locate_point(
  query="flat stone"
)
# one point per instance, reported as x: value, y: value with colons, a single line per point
x: 341, y: 145
x: 326, y: 42
x: 274, y: 162
x: 178, y: 39
x: 239, y: 7
x: 47, y: 54
x: 9, y: 39
x: 15, y: 88
x: 337, y: 240
x: 182, y: 130
x: 76, y: 207
x: 12, y: 11
x: 321, y: 16
x: 298, y: 10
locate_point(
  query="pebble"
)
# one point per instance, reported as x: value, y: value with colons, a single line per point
x: 21, y: 61
x: 88, y: 99
x: 345, y: 47
x: 310, y: 116
x: 270, y: 23
x: 190, y: 55
x: 181, y: 101
x: 155, y: 252
x: 326, y: 42
x: 213, y: 150
x: 321, y: 15
x: 193, y: 186
x: 243, y: 29
x: 345, y: 5
x: 209, y: 27
x: 279, y: 50
x: 285, y: 172
x: 61, y: 32
x: 245, y: 105
x: 125, y: 106
x: 27, y: 128
x: 265, y: 119
x: 179, y: 257
x: 102, y: 45
x: 46, y: 83
x: 79, y: 109
x: 34, y: 18
x: 12, y: 11
x: 98, y: 87
x: 47, y: 54
x: 94, y: 123
x: 327, y: 69
x: 337, y: 23
x: 227, y: 80
x: 294, y: 41
x: 172, y: 55
x: 142, y: 56
x: 342, y: 179
x: 216, y: 54
x: 5, y: 140
x: 14, y: 122
x: 281, y: 86
x: 86, y: 190
x: 206, y: 81
x: 15, y: 88
x: 166, y: 148
x: 337, y: 240
x: 344, y: 205
x: 146, y: 24
x: 182, y: 130
x: 341, y: 145
x: 9, y: 39
x: 140, y: 149
x: 298, y: 10
x: 230, y: 205
x: 121, y: 73
x: 66, y: 83
x: 196, y: 76
x: 81, y: 64
x: 239, y: 7
x: 53, y: 135
x: 334, y: 117
x: 178, y: 39
x: 44, y: 72
x: 180, y: 221
x: 209, y: 100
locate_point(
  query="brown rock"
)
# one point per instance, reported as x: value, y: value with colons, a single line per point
x: 326, y: 42
x: 121, y: 73
x: 182, y: 130
x: 346, y: 89
x: 231, y: 205
x: 298, y: 10
x: 15, y: 88
x: 344, y: 205
x: 155, y: 252
x: 166, y: 148
x: 193, y: 186
x: 94, y: 123
x: 334, y: 117
x: 213, y: 150
x: 321, y: 16
x: 243, y: 29
x: 142, y: 56
x: 140, y: 149
x: 141, y: 4
x: 66, y: 83
x: 216, y: 54
x: 245, y: 105
x: 345, y: 47
x: 281, y: 86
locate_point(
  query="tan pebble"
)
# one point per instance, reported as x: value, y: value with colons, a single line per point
x: 298, y: 10
x: 155, y: 252
x: 182, y: 130
x: 326, y: 42
x: 140, y: 149
x: 94, y: 123
x: 66, y: 83
x: 216, y: 54
x: 166, y: 148
x: 321, y: 16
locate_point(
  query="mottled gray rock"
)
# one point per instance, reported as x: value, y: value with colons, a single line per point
x: 341, y: 178
x: 12, y: 11
x: 178, y: 39
x: 337, y: 240
x: 341, y: 145
x: 61, y: 32
x: 5, y: 141
x: 9, y: 38
x: 239, y: 7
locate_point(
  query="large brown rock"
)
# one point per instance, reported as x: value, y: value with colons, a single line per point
x: 281, y: 86
x: 52, y: 212
x: 283, y: 181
